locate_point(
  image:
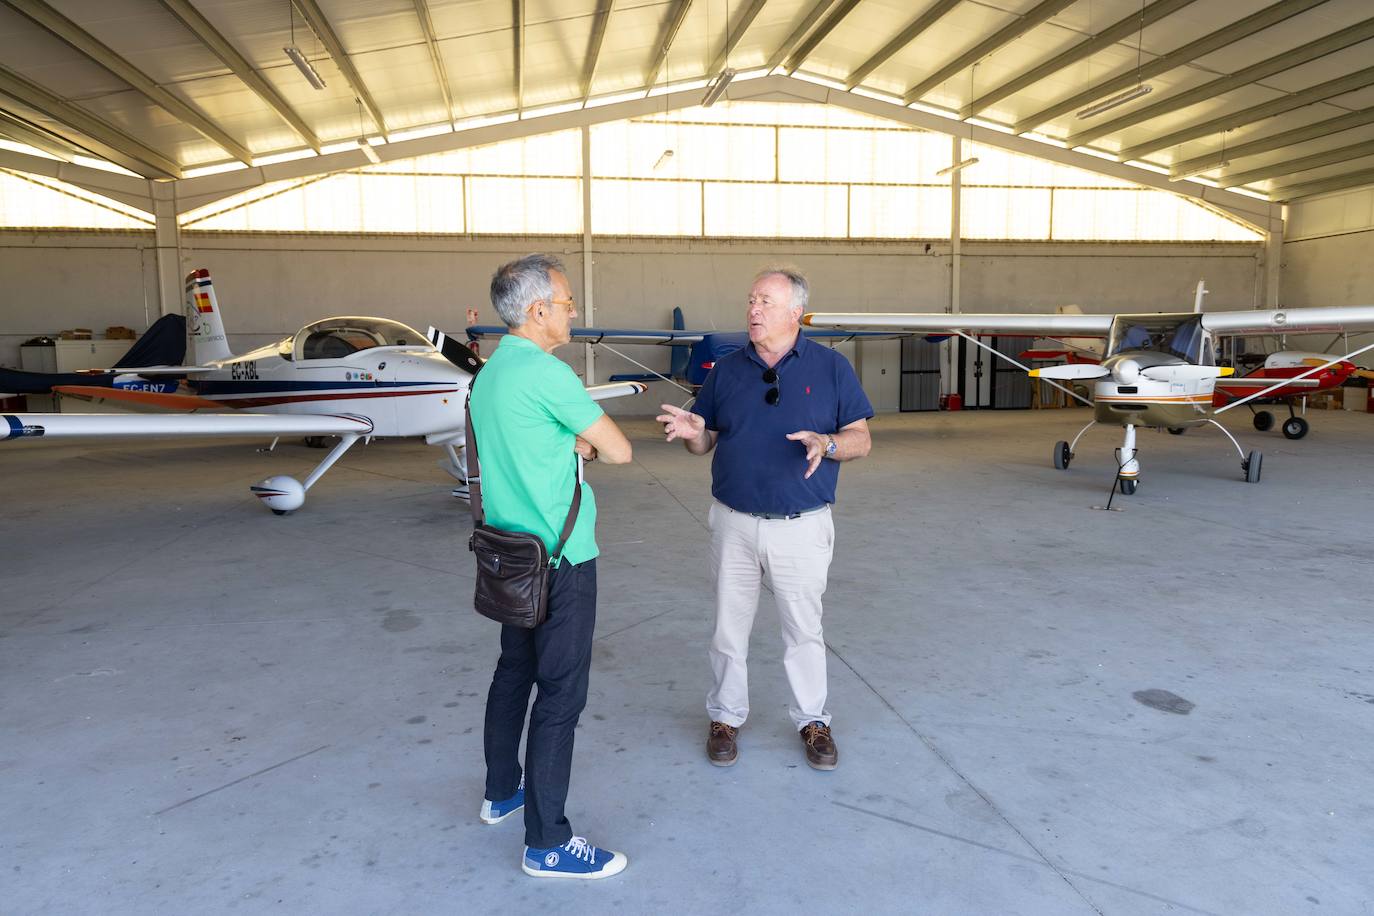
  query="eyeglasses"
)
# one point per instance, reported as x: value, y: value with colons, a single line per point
x: 774, y: 394
x: 569, y: 303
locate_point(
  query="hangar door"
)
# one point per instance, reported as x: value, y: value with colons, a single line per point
x: 920, y: 375
x: 989, y: 381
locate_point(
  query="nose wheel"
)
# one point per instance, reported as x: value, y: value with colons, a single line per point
x: 1128, y: 485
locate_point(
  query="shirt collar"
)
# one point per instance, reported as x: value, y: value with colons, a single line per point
x: 515, y: 340
x: 797, y: 346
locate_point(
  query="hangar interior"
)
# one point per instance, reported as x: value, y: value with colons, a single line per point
x: 339, y: 157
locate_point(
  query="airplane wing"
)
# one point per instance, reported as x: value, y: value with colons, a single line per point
x: 1247, y: 383
x: 616, y: 390
x: 945, y: 323
x: 1290, y: 321
x: 597, y: 335
x: 110, y: 425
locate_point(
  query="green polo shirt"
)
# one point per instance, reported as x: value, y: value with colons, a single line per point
x: 528, y: 407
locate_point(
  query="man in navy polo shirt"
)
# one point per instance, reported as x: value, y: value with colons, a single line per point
x: 781, y: 413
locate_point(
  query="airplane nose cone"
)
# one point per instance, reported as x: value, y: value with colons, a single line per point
x: 1127, y: 372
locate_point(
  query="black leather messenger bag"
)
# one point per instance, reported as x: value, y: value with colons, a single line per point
x: 513, y: 567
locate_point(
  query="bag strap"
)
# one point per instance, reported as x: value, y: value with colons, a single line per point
x: 474, y: 470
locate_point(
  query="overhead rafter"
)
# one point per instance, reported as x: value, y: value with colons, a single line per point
x: 1008, y: 33
x: 905, y: 37
x: 136, y: 192
x: 432, y: 41
x: 1294, y: 166
x: 517, y: 28
x: 1276, y: 141
x: 746, y: 19
x: 109, y: 141
x: 1349, y: 83
x: 1330, y: 44
x: 1084, y: 49
x: 784, y: 50
x: 1336, y: 183
x: 68, y: 31
x: 231, y: 58
x: 315, y: 17
x: 803, y: 51
x: 21, y: 131
x: 1270, y: 15
x: 671, y: 25
x: 603, y: 16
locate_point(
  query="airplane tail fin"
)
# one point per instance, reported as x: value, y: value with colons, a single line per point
x: 163, y: 344
x: 681, y: 355
x: 203, y: 321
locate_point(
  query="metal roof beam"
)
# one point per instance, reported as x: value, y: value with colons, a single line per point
x: 69, y: 32
x: 1104, y: 39
x: 1276, y: 141
x: 123, y: 188
x: 221, y: 48
x: 199, y: 191
x: 671, y: 25
x: 110, y: 142
x: 905, y: 37
x: 784, y: 50
x: 803, y: 51
x: 1286, y: 61
x: 315, y: 17
x: 21, y: 131
x: 1337, y: 183
x: 1294, y: 166
x: 432, y: 41
x: 1256, y: 22
x: 1008, y: 33
x: 517, y: 12
x: 746, y: 19
x: 1349, y: 83
x: 603, y: 15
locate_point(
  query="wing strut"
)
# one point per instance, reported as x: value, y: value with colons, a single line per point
x: 995, y: 352
x: 1288, y: 381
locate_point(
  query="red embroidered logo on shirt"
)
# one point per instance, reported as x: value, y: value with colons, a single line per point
x: 808, y: 389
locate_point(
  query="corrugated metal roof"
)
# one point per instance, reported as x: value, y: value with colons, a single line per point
x: 224, y: 59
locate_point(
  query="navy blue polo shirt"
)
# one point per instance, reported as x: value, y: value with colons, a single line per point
x: 756, y: 468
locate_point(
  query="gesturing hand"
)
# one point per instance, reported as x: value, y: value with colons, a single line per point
x: 815, y: 449
x: 681, y: 424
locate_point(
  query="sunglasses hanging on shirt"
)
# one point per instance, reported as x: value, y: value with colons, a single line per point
x: 772, y: 395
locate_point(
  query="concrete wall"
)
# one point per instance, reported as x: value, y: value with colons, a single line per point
x: 269, y: 286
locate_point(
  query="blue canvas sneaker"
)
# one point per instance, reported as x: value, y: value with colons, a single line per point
x: 494, y: 812
x: 575, y: 859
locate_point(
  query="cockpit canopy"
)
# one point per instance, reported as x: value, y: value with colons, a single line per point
x: 338, y: 338
x: 1171, y: 335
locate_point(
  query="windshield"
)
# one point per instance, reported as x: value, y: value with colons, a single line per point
x: 336, y: 338
x: 1175, y: 335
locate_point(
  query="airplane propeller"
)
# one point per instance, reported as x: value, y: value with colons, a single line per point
x: 455, y: 352
x: 1185, y: 373
x: 1358, y: 373
x: 1071, y: 371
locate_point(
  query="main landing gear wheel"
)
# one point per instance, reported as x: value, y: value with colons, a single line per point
x: 1264, y: 420
x: 1128, y: 485
x: 1062, y: 455
x: 1294, y: 427
x: 1251, y: 466
x: 1177, y: 430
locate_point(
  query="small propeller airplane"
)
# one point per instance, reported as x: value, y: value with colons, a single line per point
x: 1288, y: 364
x: 351, y: 377
x: 1158, y: 370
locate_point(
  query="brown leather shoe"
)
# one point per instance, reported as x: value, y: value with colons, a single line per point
x: 820, y: 746
x: 721, y: 748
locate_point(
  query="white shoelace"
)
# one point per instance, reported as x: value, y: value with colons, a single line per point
x: 579, y: 847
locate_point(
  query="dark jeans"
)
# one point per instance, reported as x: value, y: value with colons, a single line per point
x: 557, y: 656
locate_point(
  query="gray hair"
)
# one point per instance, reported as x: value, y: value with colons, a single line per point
x: 515, y: 285
x: 801, y: 291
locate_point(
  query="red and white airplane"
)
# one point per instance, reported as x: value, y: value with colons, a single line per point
x: 1288, y: 364
x: 351, y: 377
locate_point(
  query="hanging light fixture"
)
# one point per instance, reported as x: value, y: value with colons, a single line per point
x: 298, y: 58
x: 1135, y: 92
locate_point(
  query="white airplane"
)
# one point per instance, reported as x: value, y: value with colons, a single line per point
x: 1158, y: 370
x: 351, y: 377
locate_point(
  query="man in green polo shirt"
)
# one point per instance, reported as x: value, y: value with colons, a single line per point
x: 531, y: 416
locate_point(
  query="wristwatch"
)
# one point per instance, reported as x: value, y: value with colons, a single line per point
x: 830, y: 447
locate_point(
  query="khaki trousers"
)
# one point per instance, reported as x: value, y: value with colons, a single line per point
x: 793, y: 557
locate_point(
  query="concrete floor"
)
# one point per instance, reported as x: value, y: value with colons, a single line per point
x: 204, y: 708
